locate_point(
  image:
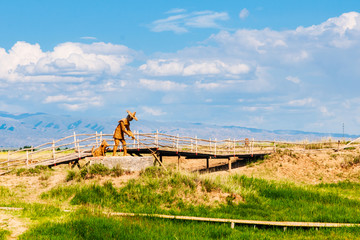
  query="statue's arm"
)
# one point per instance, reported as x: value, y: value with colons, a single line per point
x: 127, y: 130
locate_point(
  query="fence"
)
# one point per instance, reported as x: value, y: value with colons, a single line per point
x: 81, y: 145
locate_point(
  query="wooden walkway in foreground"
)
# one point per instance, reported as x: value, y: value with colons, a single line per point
x: 255, y: 223
x: 242, y: 222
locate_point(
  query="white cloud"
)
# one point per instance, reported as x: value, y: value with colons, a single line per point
x: 244, y: 13
x: 176, y: 10
x: 325, y: 111
x: 77, y: 101
x: 257, y: 108
x: 301, y: 102
x: 208, y: 86
x: 157, y: 85
x: 181, y: 22
x: 88, y: 38
x: 169, y: 67
x: 153, y: 111
x: 293, y: 79
x: 206, y: 19
x: 67, y: 62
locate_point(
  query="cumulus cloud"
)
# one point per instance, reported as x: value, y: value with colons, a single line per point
x: 293, y: 79
x: 158, y: 85
x: 153, y: 111
x: 77, y: 101
x: 244, y: 13
x: 162, y: 67
x: 88, y: 38
x: 301, y: 102
x: 181, y: 22
x: 257, y: 108
x: 325, y: 111
x: 67, y: 62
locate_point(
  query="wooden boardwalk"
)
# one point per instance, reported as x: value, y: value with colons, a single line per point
x: 254, y: 223
x: 78, y: 146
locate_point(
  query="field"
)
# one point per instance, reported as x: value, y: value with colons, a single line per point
x: 311, y: 186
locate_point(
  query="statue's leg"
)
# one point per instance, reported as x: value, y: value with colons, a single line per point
x: 124, y: 146
x: 117, y: 142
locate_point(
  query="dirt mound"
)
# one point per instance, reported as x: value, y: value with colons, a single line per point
x: 310, y: 167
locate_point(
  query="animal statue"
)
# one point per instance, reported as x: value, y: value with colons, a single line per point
x: 101, y: 150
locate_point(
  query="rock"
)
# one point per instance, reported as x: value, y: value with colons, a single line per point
x: 128, y: 163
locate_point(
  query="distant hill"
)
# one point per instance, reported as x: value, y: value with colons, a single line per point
x: 36, y: 128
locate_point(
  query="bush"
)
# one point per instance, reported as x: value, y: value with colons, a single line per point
x: 32, y: 171
x: 4, y: 234
x: 117, y: 171
x: 94, y: 170
x: 70, y: 175
x: 98, y: 169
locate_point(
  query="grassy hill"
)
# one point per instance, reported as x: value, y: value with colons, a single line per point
x: 288, y: 186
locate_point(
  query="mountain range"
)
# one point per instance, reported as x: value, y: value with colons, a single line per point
x: 32, y: 129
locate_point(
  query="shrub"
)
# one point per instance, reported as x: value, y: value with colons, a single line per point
x: 117, y: 171
x: 32, y: 171
x: 98, y: 169
x: 70, y: 175
x: 4, y: 234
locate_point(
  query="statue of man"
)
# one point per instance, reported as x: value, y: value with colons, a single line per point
x: 123, y: 127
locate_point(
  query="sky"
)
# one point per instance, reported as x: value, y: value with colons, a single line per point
x: 263, y: 64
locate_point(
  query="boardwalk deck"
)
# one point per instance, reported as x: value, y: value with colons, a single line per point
x: 243, y: 222
x: 75, y: 147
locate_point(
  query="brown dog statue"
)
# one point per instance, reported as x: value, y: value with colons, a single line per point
x: 101, y: 150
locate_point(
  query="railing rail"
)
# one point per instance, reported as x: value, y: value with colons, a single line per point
x: 79, y: 143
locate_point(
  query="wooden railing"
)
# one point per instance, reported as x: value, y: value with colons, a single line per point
x: 81, y: 143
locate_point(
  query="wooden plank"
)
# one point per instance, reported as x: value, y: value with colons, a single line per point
x: 240, y: 221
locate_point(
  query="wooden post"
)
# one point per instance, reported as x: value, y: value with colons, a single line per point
x: 138, y: 140
x: 178, y: 162
x: 210, y: 144
x: 234, y: 148
x: 32, y: 151
x: 27, y: 158
x: 8, y: 161
x: 177, y: 143
x: 53, y: 149
x: 207, y: 163
x: 232, y: 225
x: 196, y: 145
x: 157, y: 139
x: 215, y: 148
x: 74, y: 141
x: 229, y: 162
x: 134, y: 142
x: 96, y: 138
x: 274, y: 145
x: 191, y: 145
x: 252, y: 147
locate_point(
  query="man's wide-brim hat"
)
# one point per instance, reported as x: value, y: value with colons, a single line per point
x: 132, y: 114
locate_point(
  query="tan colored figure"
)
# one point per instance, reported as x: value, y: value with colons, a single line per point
x: 123, y: 127
x: 101, y: 150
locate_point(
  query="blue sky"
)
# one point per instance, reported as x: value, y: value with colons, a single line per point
x: 264, y: 64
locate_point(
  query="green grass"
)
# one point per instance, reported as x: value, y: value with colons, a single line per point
x: 176, y: 193
x: 32, y: 171
x: 157, y: 191
x: 4, y: 234
x: 85, y: 225
x: 92, y: 171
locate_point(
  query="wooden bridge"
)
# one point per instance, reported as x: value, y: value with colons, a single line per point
x: 78, y: 146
